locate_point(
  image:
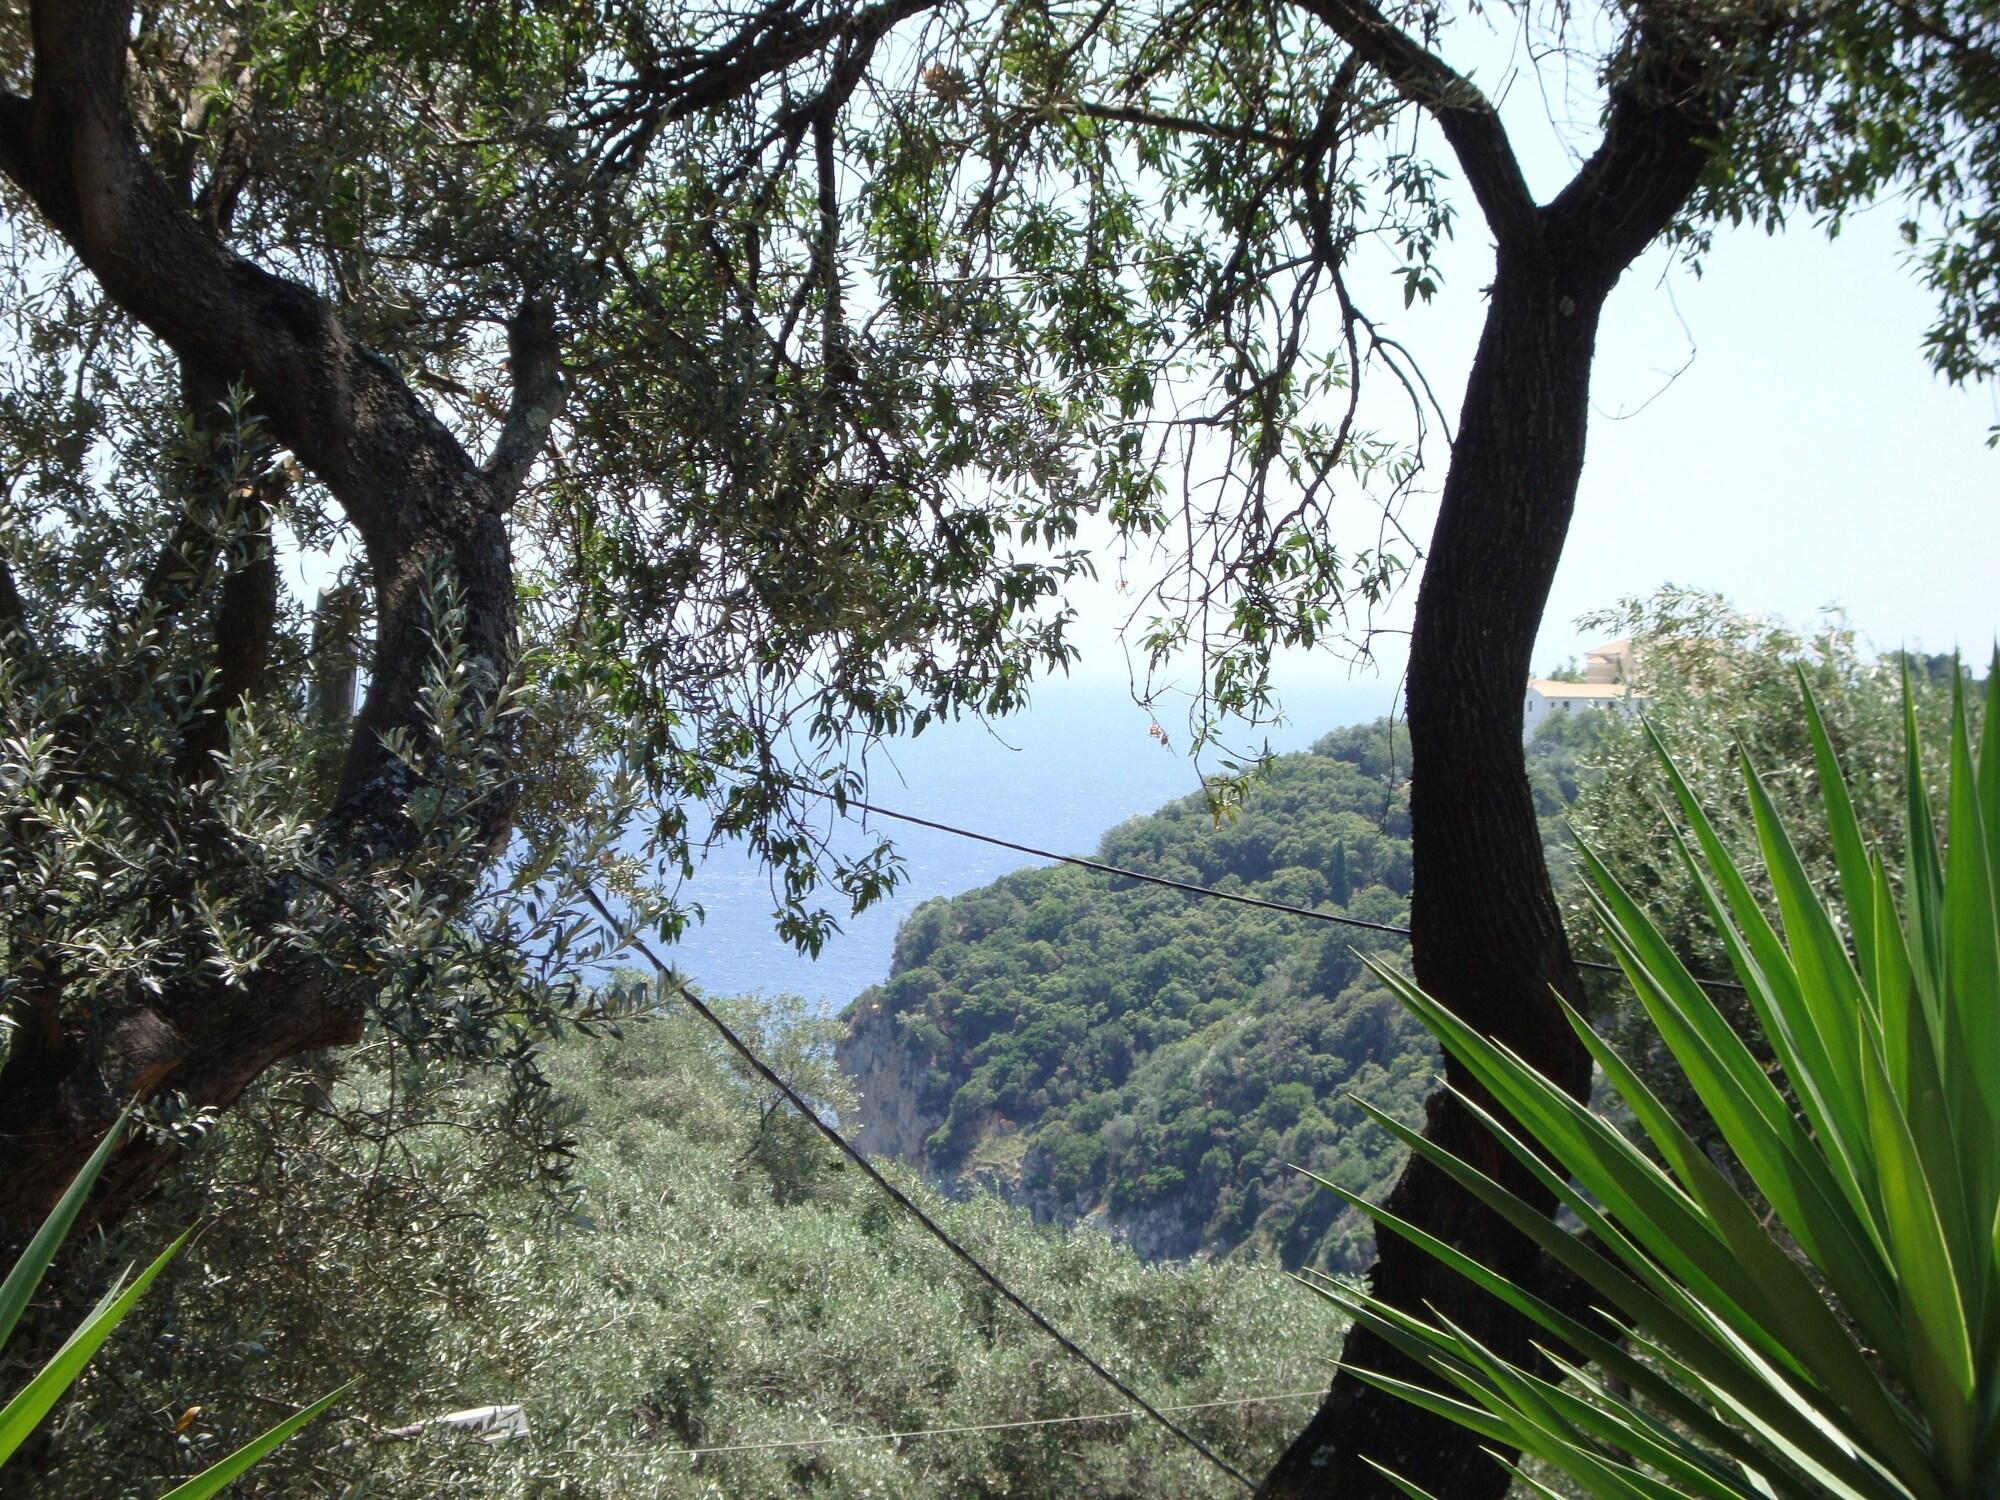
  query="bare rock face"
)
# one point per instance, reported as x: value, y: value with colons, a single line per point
x: 1166, y: 1231
x: 888, y: 1121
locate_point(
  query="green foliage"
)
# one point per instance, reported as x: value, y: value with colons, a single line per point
x: 1100, y: 1047
x: 1716, y: 680
x: 718, y: 1278
x: 20, y: 1417
x: 750, y: 534
x: 854, y: 324
x: 1845, y: 1343
x: 131, y: 879
x: 1719, y: 682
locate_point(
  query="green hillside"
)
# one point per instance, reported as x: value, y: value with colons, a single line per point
x: 1162, y: 1062
x: 713, y: 1278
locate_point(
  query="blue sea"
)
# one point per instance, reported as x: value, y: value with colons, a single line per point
x: 1080, y: 761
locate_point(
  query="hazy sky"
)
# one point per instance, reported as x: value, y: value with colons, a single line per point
x: 1804, y: 457
x: 1807, y: 457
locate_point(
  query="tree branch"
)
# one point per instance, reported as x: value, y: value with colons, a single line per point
x: 833, y: 332
x: 747, y: 61
x: 1663, y: 117
x: 405, y: 482
x: 14, y: 635
x: 340, y: 408
x: 14, y: 112
x: 1468, y: 119
x: 670, y: 88
x: 179, y: 569
x: 246, y: 619
x: 184, y: 565
x: 1290, y: 145
x: 533, y: 352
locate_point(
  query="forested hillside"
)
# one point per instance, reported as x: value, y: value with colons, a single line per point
x: 1128, y: 1053
x: 1158, y: 1062
x: 712, y: 1279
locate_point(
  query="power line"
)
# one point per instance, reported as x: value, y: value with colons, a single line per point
x: 1140, y: 1405
x: 1186, y: 887
x: 1102, y: 868
x: 903, y: 1201
x: 1317, y: 1393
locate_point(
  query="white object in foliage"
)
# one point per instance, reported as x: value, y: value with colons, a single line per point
x: 490, y: 1424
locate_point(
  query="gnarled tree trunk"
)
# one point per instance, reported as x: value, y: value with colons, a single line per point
x: 418, y: 500
x: 1487, y: 932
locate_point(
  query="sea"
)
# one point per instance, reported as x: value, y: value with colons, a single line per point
x: 1082, y: 759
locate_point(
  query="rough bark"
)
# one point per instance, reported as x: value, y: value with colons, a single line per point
x: 1487, y: 936
x: 416, y: 497
x: 1487, y: 939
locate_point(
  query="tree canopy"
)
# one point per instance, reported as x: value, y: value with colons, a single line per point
x: 719, y: 1282
x: 524, y: 332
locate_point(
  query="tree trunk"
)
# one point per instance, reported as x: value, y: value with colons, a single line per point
x: 1487, y: 935
x: 1487, y: 940
x: 419, y: 501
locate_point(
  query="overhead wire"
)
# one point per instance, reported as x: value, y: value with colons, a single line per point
x: 902, y: 1199
x: 844, y: 1439
x: 1140, y: 1406
x: 1186, y: 887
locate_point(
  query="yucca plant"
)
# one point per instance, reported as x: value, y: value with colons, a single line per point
x: 24, y: 1412
x: 1836, y: 1332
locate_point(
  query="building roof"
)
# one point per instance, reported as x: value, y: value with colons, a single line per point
x: 1548, y: 687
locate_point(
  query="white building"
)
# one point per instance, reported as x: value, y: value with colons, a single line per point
x: 1607, y: 684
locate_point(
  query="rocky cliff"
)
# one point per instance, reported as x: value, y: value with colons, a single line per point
x: 889, y: 1120
x: 892, y: 1121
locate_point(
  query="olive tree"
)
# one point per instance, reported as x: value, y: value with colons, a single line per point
x: 535, y: 366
